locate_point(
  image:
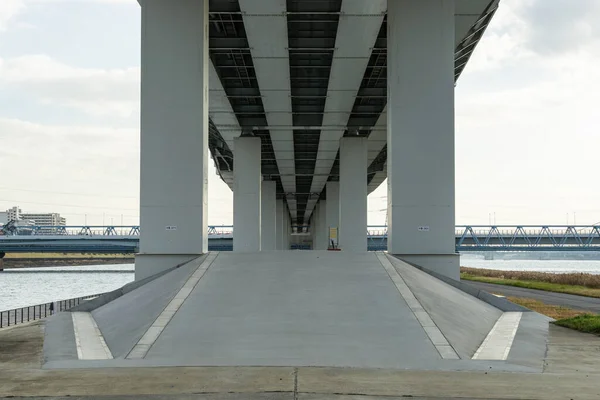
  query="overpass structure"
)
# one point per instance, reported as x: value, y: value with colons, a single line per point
x: 125, y: 239
x: 305, y: 108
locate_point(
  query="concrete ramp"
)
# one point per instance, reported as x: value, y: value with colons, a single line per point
x: 463, y: 319
x: 124, y: 320
x: 296, y: 309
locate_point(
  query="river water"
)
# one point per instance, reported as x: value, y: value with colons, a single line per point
x: 30, y: 286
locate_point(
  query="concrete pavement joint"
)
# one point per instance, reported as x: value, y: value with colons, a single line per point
x: 444, y: 348
x: 295, y: 383
x: 142, y: 347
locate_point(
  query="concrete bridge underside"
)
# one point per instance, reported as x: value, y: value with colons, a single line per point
x: 305, y: 107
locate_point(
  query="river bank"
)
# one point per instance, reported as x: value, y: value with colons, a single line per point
x: 36, y: 260
x: 581, y: 284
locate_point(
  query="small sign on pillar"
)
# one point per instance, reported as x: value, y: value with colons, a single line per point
x: 333, y: 239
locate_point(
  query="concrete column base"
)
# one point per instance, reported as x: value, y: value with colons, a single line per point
x: 149, y: 264
x: 445, y: 264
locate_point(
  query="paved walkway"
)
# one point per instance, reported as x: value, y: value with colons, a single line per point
x: 299, y: 309
x: 572, y: 372
x: 309, y: 308
x: 559, y: 299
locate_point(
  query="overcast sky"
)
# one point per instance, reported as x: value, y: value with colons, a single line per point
x: 527, y: 107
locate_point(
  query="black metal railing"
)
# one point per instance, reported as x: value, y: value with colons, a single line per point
x: 39, y: 311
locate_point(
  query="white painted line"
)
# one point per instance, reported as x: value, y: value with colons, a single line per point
x: 142, y: 347
x: 88, y: 338
x: 434, y: 334
x: 499, y: 340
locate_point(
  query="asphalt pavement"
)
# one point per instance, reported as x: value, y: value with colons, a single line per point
x: 559, y: 299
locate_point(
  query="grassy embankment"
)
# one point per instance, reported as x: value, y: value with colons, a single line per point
x: 584, y: 323
x: 578, y: 320
x: 575, y: 283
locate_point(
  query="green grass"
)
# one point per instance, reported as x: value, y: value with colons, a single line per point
x: 584, y: 323
x: 552, y: 311
x: 574, y: 283
x: 547, y: 286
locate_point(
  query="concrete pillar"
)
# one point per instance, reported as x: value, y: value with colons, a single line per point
x: 321, y: 226
x: 318, y: 233
x: 268, y: 234
x: 420, y: 134
x: 333, y: 207
x: 313, y: 231
x: 286, y: 228
x: 290, y: 232
x: 174, y: 134
x: 353, y: 194
x: 313, y: 227
x: 279, y: 224
x: 247, y: 179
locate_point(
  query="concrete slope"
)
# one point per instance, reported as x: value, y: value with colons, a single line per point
x: 124, y: 320
x: 462, y: 318
x: 295, y: 308
x: 300, y: 308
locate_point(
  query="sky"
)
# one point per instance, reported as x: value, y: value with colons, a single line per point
x: 527, y: 115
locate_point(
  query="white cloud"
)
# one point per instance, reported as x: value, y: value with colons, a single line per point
x: 526, y: 121
x: 82, y: 1
x: 78, y: 159
x: 99, y: 92
x: 9, y: 9
x: 99, y: 165
x: 526, y: 138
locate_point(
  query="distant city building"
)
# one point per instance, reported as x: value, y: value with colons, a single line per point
x: 38, y: 219
x: 13, y: 214
x: 45, y: 219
